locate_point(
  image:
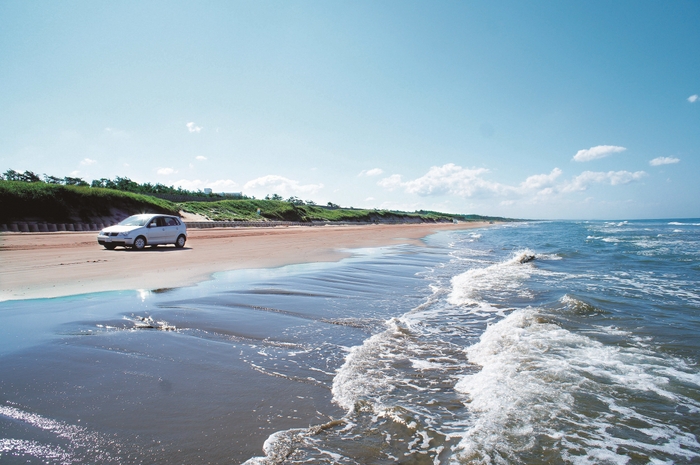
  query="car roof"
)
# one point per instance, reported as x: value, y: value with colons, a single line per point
x: 150, y: 215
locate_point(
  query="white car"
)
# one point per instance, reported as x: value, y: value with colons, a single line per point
x: 138, y: 231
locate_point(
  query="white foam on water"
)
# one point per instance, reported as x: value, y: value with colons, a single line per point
x: 469, y: 288
x: 544, y: 387
x: 363, y: 375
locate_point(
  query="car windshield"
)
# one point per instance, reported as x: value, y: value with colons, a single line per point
x: 136, y: 220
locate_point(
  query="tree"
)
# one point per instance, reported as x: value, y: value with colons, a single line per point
x: 52, y: 179
x: 68, y: 181
x: 273, y: 197
x: 29, y: 176
x: 12, y: 175
x: 295, y: 201
x: 333, y: 205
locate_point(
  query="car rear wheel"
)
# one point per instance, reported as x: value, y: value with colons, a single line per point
x: 140, y: 243
x: 180, y: 242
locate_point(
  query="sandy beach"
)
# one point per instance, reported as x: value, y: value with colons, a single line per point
x: 44, y: 265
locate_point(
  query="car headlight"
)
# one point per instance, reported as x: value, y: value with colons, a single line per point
x: 124, y: 234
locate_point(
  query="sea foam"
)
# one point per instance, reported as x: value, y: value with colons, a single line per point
x: 548, y: 391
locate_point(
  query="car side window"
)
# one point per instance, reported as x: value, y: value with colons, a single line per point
x: 170, y: 222
x: 153, y: 223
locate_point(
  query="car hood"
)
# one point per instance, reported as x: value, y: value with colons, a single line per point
x: 119, y: 228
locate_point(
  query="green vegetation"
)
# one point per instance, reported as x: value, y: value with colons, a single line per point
x: 60, y: 203
x: 123, y: 184
x: 277, y: 210
x: 25, y: 196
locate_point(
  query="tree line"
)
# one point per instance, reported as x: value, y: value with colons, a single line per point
x: 118, y: 183
x: 127, y: 185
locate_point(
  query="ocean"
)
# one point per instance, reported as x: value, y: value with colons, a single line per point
x: 520, y: 343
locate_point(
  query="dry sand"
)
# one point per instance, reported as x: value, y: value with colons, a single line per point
x: 38, y: 265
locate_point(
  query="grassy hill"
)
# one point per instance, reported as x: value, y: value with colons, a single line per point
x: 57, y: 203
x: 246, y: 210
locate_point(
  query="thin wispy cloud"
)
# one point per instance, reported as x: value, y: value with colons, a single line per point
x: 193, y: 127
x: 693, y: 98
x: 541, y: 181
x: 390, y: 182
x: 116, y: 133
x: 274, y: 184
x: 372, y: 172
x: 599, y: 151
x: 88, y: 162
x: 219, y: 185
x: 165, y: 171
x: 201, y: 158
x: 586, y: 179
x: 664, y: 161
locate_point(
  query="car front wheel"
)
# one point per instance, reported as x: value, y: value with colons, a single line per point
x: 109, y: 246
x: 140, y: 243
x: 180, y: 242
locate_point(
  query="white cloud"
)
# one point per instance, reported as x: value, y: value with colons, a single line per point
x: 584, y: 180
x: 452, y: 180
x: 165, y: 171
x: 372, y: 172
x: 193, y: 127
x: 693, y: 98
x: 201, y: 158
x: 446, y: 179
x: 599, y: 151
x: 88, y: 161
x: 220, y: 185
x: 75, y: 173
x: 391, y: 182
x: 539, y: 181
x: 664, y: 161
x: 275, y: 184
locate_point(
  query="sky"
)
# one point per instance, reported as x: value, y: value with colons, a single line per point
x: 541, y: 109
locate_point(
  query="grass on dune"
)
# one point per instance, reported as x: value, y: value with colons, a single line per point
x: 275, y: 210
x: 58, y: 203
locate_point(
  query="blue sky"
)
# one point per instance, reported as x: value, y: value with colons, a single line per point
x: 556, y: 109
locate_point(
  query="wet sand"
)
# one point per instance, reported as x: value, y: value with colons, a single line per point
x: 43, y: 265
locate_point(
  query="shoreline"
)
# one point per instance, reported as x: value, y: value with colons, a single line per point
x: 48, y: 265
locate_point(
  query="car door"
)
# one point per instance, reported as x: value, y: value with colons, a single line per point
x: 156, y: 230
x: 171, y: 230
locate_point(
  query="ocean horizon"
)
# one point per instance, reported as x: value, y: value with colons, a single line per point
x: 536, y: 342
